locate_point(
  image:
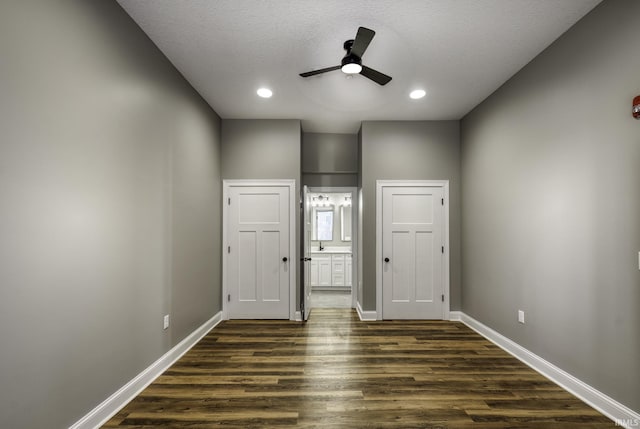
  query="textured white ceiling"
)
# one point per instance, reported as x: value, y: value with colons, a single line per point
x: 459, y: 51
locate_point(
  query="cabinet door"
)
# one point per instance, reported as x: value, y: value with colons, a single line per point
x: 324, y: 272
x: 315, y: 278
x: 337, y: 270
x: 348, y: 273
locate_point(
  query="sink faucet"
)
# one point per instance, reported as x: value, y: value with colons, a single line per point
x: 321, y: 246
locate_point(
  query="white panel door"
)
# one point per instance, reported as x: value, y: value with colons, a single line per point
x: 412, y: 240
x: 258, y: 255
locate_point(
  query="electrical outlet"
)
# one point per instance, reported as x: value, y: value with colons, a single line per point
x: 165, y: 322
x: 521, y: 316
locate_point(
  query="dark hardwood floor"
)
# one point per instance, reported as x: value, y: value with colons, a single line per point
x: 337, y: 372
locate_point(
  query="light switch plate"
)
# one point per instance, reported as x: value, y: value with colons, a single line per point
x: 165, y: 322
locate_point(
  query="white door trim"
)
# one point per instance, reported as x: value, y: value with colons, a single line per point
x: 354, y: 231
x: 226, y: 186
x: 380, y: 185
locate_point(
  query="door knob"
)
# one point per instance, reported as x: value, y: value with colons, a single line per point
x: 386, y: 259
x: 285, y: 259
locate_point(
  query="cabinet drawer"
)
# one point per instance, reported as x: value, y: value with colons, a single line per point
x: 337, y: 258
x: 338, y: 267
x: 337, y: 280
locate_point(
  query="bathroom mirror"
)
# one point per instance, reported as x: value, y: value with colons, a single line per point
x: 345, y: 223
x: 323, y: 220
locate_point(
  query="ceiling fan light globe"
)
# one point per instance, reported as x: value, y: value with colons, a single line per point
x: 351, y: 68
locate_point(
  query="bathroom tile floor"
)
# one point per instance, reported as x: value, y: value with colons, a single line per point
x: 330, y: 299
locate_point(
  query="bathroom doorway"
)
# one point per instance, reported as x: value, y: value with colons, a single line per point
x: 332, y: 221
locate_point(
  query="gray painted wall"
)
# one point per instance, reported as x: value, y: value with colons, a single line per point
x: 358, y: 209
x: 409, y: 150
x: 264, y: 149
x: 261, y: 149
x: 327, y: 158
x: 329, y: 153
x: 196, y: 218
x: 330, y: 180
x: 109, y: 169
x: 551, y: 167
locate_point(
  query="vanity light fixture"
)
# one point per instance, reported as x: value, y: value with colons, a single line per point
x: 318, y: 201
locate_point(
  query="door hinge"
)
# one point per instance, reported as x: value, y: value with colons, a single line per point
x: 229, y: 298
x: 229, y: 249
x: 442, y: 297
x: 229, y: 201
x: 443, y: 201
x: 442, y: 249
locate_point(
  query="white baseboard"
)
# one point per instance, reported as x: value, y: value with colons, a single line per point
x: 297, y: 317
x: 366, y: 316
x: 114, y: 403
x: 455, y: 316
x: 619, y: 413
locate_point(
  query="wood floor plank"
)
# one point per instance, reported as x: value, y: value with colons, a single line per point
x: 335, y: 371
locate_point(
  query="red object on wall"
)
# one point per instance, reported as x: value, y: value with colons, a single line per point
x: 636, y: 107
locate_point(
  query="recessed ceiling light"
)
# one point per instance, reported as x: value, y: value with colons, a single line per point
x: 417, y: 94
x: 264, y: 92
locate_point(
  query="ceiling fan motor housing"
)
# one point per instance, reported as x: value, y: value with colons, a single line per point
x: 347, y: 45
x: 351, y: 59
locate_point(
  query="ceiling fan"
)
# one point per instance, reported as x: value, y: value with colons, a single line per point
x: 352, y: 62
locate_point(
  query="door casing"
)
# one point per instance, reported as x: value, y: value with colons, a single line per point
x: 291, y: 183
x: 305, y: 278
x: 380, y: 185
x: 355, y: 252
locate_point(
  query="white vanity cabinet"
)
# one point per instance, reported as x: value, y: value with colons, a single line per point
x: 320, y: 270
x: 330, y: 269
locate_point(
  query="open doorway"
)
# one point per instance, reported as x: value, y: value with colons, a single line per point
x: 332, y: 246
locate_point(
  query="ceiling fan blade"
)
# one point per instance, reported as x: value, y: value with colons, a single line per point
x: 362, y: 40
x: 315, y: 72
x: 376, y: 76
